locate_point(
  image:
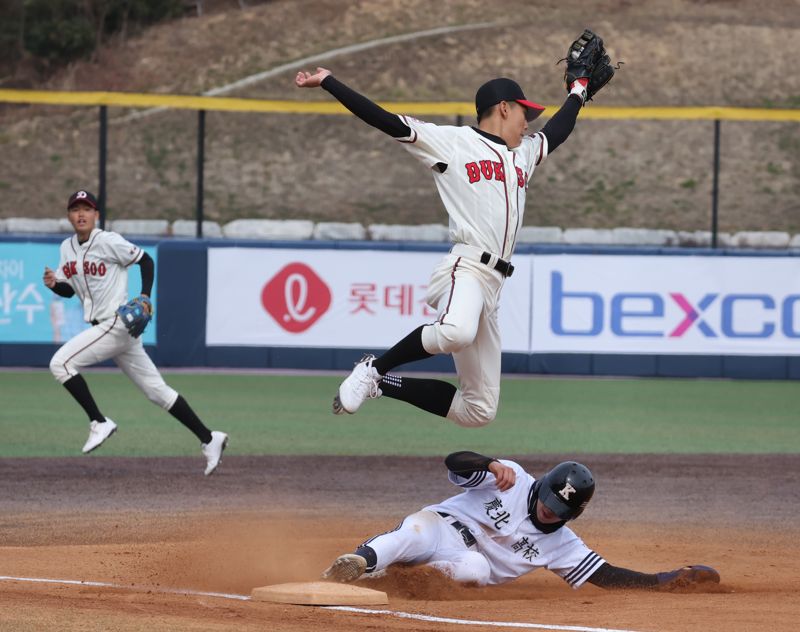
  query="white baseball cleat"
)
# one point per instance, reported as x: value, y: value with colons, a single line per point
x: 213, y: 450
x: 359, y: 386
x: 346, y: 568
x: 99, y: 431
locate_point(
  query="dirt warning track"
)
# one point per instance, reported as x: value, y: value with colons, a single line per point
x: 144, y: 530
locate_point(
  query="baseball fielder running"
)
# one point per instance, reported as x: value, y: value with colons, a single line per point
x: 482, y: 175
x: 505, y: 525
x: 94, y: 265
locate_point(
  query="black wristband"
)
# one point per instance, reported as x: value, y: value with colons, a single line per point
x: 63, y: 288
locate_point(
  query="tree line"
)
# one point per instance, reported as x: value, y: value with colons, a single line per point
x: 51, y: 33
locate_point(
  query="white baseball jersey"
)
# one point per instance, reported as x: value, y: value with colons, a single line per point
x: 97, y: 270
x: 484, y: 183
x: 507, y: 537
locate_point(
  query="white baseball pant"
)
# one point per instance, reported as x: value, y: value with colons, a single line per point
x: 465, y: 294
x: 427, y: 538
x: 110, y: 339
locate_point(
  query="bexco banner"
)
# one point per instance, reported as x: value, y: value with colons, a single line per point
x: 709, y: 305
x: 335, y: 298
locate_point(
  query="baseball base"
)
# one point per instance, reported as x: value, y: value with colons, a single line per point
x: 320, y: 594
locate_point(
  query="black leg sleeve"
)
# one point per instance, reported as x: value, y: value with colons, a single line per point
x: 79, y: 389
x: 407, y: 350
x: 184, y: 413
x: 433, y: 396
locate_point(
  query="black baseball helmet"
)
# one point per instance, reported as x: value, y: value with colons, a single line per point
x: 567, y: 489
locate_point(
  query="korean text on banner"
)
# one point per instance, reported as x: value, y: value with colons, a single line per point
x: 335, y: 298
x: 29, y: 312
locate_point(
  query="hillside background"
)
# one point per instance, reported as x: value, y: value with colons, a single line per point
x: 654, y: 174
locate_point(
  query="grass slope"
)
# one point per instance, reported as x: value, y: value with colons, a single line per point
x: 268, y: 414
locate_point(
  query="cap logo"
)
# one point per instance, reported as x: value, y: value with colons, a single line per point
x: 566, y: 491
x: 80, y: 195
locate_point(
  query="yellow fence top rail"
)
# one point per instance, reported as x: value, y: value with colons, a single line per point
x: 415, y: 108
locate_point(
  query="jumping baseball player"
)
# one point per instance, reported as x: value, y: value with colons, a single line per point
x: 505, y: 525
x: 482, y: 175
x: 94, y: 265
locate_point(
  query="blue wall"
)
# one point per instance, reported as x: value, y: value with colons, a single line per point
x: 181, y: 312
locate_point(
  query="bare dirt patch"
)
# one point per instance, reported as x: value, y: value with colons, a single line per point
x: 154, y: 524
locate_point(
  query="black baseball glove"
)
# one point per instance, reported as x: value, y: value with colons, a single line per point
x: 587, y: 59
x: 687, y: 578
x: 136, y: 314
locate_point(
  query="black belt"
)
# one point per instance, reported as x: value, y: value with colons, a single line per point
x: 469, y: 539
x: 503, y: 267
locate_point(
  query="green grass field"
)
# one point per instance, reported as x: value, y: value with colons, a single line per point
x: 269, y: 414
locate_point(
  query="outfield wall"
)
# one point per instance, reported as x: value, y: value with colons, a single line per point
x: 319, y: 305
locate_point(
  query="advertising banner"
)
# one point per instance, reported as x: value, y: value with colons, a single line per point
x: 30, y: 312
x: 336, y: 298
x: 677, y: 305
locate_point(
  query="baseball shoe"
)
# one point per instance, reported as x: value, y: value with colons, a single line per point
x: 99, y: 431
x: 347, y: 568
x: 213, y: 450
x: 359, y: 386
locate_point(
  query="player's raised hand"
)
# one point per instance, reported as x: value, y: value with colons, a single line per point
x: 49, y: 277
x: 311, y: 80
x: 505, y: 477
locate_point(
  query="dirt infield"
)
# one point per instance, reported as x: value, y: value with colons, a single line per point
x: 150, y: 525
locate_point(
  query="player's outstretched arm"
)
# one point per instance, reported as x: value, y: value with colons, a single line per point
x: 306, y: 79
x: 368, y: 111
x: 610, y: 577
x: 588, y: 70
x: 561, y: 124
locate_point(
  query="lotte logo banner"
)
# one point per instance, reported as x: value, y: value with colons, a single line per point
x: 296, y: 297
x: 334, y: 298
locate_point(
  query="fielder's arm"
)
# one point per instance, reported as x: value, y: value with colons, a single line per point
x: 561, y: 124
x: 369, y: 112
x: 466, y: 463
x: 608, y: 576
x: 148, y: 269
x: 62, y: 288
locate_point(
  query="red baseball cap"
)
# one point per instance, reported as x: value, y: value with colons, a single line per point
x: 82, y: 196
x: 504, y: 89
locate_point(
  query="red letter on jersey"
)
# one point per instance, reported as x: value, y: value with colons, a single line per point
x: 520, y: 178
x: 486, y: 169
x: 472, y: 172
x: 499, y: 171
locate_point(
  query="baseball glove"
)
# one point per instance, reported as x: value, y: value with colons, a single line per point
x: 587, y: 59
x: 136, y: 314
x: 687, y: 577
